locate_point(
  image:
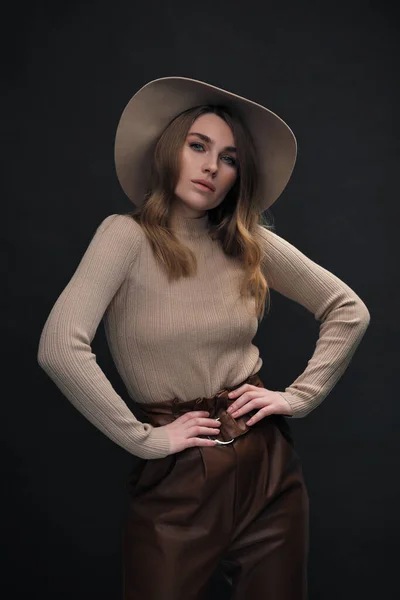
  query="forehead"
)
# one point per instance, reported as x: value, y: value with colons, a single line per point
x: 213, y: 126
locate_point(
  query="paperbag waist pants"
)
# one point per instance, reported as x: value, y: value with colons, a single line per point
x: 241, y: 507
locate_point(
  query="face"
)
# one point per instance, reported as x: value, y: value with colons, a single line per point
x: 211, y: 158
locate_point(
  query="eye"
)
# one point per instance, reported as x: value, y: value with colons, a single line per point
x: 196, y: 144
x: 231, y: 161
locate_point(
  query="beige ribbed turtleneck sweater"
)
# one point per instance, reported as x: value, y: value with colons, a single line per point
x: 185, y: 339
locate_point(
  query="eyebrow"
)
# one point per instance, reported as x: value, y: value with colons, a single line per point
x: 210, y: 141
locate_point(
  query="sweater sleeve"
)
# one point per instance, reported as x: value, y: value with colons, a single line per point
x: 65, y: 351
x: 343, y: 318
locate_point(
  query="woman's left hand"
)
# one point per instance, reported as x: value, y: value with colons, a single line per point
x: 250, y: 397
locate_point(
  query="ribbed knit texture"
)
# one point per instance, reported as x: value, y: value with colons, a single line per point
x: 185, y: 339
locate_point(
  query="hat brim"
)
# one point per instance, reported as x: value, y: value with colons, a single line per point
x: 154, y: 106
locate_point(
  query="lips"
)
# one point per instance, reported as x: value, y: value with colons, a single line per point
x: 207, y: 184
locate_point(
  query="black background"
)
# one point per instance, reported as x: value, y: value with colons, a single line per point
x: 331, y: 72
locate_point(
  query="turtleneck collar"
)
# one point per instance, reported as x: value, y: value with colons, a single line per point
x: 190, y: 226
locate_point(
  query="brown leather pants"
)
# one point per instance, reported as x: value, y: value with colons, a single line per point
x: 241, y: 507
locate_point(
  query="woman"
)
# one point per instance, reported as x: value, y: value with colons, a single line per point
x: 182, y: 283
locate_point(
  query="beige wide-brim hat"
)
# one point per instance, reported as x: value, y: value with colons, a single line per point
x: 154, y: 106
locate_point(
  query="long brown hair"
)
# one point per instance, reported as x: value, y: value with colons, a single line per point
x: 233, y: 222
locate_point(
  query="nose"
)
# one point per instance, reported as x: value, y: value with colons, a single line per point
x: 210, y: 167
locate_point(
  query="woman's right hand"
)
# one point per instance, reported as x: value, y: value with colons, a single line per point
x: 183, y: 431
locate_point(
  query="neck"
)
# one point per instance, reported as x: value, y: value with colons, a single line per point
x: 190, y: 226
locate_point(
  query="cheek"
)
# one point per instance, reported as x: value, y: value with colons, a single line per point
x: 185, y: 166
x: 182, y: 169
x: 230, y: 179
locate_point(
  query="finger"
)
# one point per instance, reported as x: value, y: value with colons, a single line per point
x: 242, y: 413
x: 200, y: 442
x: 244, y: 399
x: 261, y: 414
x: 242, y: 409
x: 193, y: 414
x: 202, y: 430
x: 243, y: 388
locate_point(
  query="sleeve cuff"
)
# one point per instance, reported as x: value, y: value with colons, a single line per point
x: 297, y: 405
x: 157, y: 445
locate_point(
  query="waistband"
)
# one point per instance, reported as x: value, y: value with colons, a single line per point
x: 163, y: 413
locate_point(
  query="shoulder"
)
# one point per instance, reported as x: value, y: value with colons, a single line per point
x: 122, y: 223
x: 122, y: 227
x: 279, y: 255
x: 269, y: 239
x: 264, y: 231
x: 118, y: 234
